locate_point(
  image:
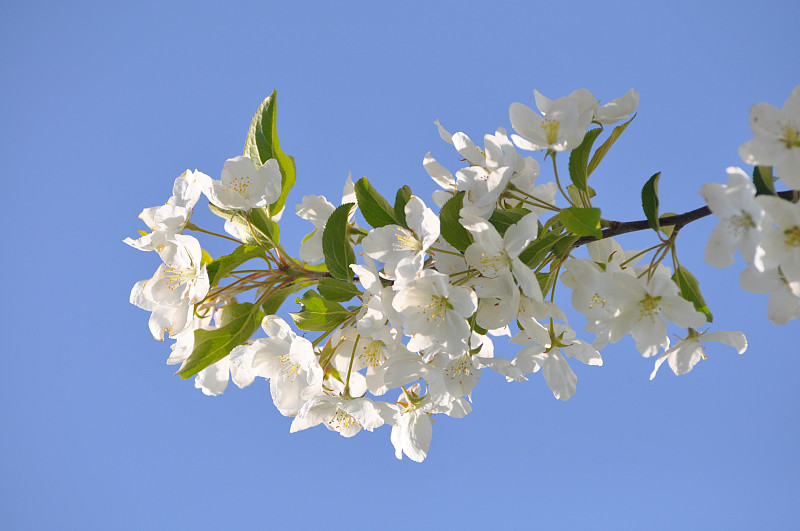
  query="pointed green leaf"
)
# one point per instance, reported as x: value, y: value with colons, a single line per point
x: 210, y: 346
x: 400, y: 200
x: 319, y: 314
x: 375, y: 209
x: 336, y: 244
x: 650, y: 201
x: 564, y: 245
x: 223, y: 265
x: 337, y: 290
x: 581, y: 221
x: 262, y: 144
x: 690, y: 290
x: 450, y: 222
x: 278, y: 297
x: 503, y: 219
x: 605, y: 146
x: 763, y: 180
x: 575, y: 194
x: 579, y: 159
x: 255, y: 227
x: 535, y: 253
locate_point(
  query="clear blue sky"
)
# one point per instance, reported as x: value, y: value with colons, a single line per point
x: 104, y: 104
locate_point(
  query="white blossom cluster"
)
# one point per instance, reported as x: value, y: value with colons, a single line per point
x: 421, y: 332
x: 764, y: 228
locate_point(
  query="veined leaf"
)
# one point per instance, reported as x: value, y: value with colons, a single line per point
x: 450, y: 220
x: 763, y: 180
x: 319, y: 314
x: 336, y: 245
x: 210, y: 346
x: 535, y: 253
x: 223, y: 265
x: 581, y: 221
x: 262, y: 144
x: 650, y: 201
x: 605, y: 146
x: 400, y: 200
x: 375, y: 209
x: 690, y: 290
x: 503, y: 219
x: 278, y: 297
x: 337, y: 290
x: 579, y: 159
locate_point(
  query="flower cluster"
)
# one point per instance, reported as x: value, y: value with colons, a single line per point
x: 762, y: 224
x: 398, y: 321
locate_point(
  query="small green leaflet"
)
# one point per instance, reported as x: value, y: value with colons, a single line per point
x: 400, y: 200
x: 579, y: 159
x: 266, y: 230
x: 650, y: 201
x: 605, y: 146
x: 375, y: 209
x: 690, y: 290
x: 450, y: 221
x: 262, y: 144
x: 535, y: 253
x: 223, y: 265
x: 336, y: 244
x: 210, y: 346
x: 763, y: 180
x: 581, y: 221
x: 319, y: 314
x: 276, y: 299
x: 337, y: 290
x: 503, y: 219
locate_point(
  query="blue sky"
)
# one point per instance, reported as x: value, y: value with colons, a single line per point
x: 103, y: 105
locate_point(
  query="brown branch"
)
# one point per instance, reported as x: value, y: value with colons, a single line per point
x: 678, y: 221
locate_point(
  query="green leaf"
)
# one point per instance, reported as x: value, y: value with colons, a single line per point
x: 336, y: 245
x: 605, y: 146
x: 319, y: 314
x: 690, y: 290
x: 650, y: 201
x: 210, y: 346
x: 763, y: 180
x: 223, y: 265
x: 503, y: 219
x: 450, y: 221
x: 575, y: 194
x: 262, y: 144
x: 535, y: 253
x: 400, y: 200
x: 579, y: 159
x: 564, y: 245
x: 278, y: 297
x: 264, y: 227
x: 337, y: 290
x: 581, y: 221
x: 375, y: 209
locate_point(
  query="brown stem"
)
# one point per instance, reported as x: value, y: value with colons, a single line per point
x: 678, y: 221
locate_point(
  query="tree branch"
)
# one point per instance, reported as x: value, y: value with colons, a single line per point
x: 678, y: 221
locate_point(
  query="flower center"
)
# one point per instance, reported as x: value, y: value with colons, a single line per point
x: 648, y: 307
x: 790, y: 137
x: 342, y: 420
x: 550, y: 128
x: 288, y: 369
x: 406, y: 242
x: 241, y: 185
x: 596, y: 300
x: 741, y: 222
x: 792, y: 237
x: 437, y: 308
